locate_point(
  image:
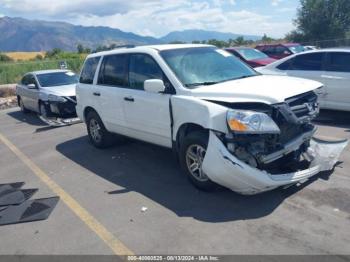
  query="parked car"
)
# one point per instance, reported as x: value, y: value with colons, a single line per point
x: 251, y: 56
x: 279, y: 51
x: 328, y: 66
x: 310, y: 47
x: 226, y: 123
x: 51, y: 93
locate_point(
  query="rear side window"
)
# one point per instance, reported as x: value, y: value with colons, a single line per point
x: 307, y: 62
x: 88, y: 72
x: 338, y: 62
x: 280, y: 50
x: 113, y: 71
x: 141, y: 68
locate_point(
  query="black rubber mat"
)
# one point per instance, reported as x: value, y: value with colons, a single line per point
x: 28, y: 211
x: 8, y: 187
x: 16, y: 196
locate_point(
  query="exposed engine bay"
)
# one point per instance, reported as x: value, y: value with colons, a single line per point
x: 271, y: 152
x: 60, y: 112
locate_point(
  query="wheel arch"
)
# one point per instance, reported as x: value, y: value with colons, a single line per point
x: 186, y: 129
x: 87, y: 110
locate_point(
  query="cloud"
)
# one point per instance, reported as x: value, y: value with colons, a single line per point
x: 73, y: 7
x: 276, y: 2
x: 152, y: 17
x: 156, y: 20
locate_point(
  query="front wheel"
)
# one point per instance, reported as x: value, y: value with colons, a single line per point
x: 98, y: 134
x: 192, y: 153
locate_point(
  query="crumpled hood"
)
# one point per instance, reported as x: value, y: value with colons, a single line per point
x: 66, y: 90
x: 263, y: 88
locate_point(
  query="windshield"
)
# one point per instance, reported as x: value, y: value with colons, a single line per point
x: 297, y: 49
x: 57, y: 79
x: 205, y: 66
x: 251, y: 54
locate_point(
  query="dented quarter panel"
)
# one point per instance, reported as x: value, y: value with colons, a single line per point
x: 227, y: 170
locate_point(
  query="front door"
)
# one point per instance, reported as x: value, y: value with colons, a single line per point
x: 337, y: 79
x: 147, y: 115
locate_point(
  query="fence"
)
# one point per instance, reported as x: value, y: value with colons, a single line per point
x: 12, y: 72
x: 330, y: 43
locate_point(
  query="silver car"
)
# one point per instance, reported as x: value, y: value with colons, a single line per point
x: 51, y: 93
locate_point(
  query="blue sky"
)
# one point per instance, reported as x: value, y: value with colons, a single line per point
x: 158, y: 17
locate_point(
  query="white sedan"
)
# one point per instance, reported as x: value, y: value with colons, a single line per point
x: 331, y: 67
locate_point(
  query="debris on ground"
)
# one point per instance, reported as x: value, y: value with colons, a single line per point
x: 8, y: 97
x: 144, y: 209
x: 16, y: 206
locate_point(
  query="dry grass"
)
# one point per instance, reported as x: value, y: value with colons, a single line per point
x: 7, y: 92
x: 24, y: 56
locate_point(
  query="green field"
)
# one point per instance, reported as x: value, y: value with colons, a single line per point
x: 12, y: 72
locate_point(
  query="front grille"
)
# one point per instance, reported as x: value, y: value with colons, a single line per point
x: 294, y: 116
x: 305, y: 106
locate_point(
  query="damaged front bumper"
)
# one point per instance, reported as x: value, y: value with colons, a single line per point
x: 60, y: 113
x: 227, y: 170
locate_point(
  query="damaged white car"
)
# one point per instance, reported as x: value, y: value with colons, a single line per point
x: 51, y: 94
x: 227, y: 124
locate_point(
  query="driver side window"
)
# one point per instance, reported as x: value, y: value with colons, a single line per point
x: 141, y: 68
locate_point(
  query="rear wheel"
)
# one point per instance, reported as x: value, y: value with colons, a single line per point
x: 192, y: 153
x: 21, y: 105
x: 98, y: 134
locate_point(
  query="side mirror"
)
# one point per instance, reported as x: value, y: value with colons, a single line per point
x: 287, y: 52
x: 31, y: 86
x: 154, y: 86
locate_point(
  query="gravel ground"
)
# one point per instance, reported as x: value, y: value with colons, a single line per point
x: 8, y: 96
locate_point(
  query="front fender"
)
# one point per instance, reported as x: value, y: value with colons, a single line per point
x: 186, y: 109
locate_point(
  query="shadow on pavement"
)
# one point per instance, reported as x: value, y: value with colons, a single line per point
x: 334, y: 118
x: 32, y: 119
x: 29, y: 118
x: 152, y: 171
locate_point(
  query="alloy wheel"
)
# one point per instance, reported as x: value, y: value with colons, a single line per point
x: 194, y: 160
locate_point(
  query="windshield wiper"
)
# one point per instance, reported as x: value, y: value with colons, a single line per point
x: 236, y: 78
x: 201, y: 84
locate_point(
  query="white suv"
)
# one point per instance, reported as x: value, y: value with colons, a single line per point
x: 227, y: 124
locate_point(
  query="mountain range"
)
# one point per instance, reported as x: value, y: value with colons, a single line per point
x: 19, y: 34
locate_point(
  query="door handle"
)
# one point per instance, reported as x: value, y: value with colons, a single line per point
x: 96, y: 94
x: 129, y: 99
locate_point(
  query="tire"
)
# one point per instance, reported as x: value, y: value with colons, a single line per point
x: 98, y: 134
x: 192, y: 152
x: 42, y: 110
x: 21, y: 106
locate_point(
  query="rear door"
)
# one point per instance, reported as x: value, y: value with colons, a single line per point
x: 147, y: 115
x: 28, y: 95
x: 110, y: 90
x: 87, y: 93
x: 337, y: 79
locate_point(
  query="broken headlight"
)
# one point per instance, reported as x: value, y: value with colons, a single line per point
x: 54, y: 98
x: 250, y: 122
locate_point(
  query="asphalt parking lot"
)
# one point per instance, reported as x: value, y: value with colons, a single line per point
x: 113, y: 185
